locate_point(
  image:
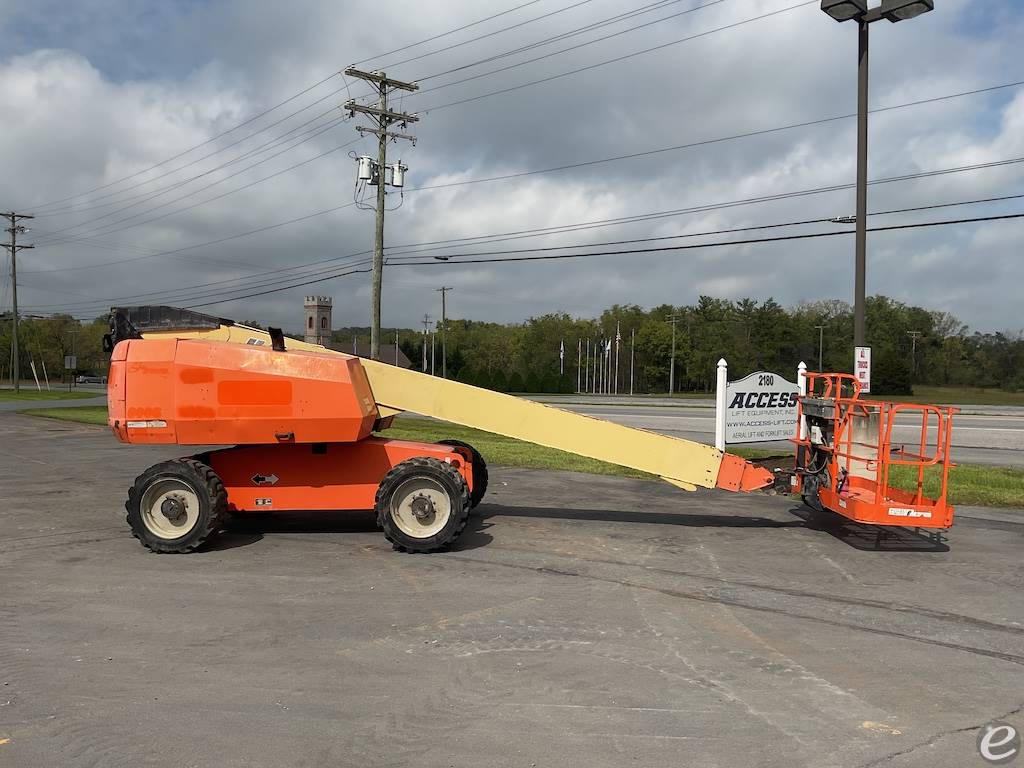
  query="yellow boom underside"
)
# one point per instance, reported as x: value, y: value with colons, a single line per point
x: 683, y: 463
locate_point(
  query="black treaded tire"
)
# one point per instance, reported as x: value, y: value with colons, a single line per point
x: 479, y: 471
x: 204, y: 484
x: 443, y: 475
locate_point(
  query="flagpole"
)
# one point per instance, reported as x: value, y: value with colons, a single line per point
x: 632, y: 350
x: 618, y: 344
x: 586, y: 369
x: 579, y: 359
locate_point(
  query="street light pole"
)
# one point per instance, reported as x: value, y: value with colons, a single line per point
x: 861, y: 236
x: 821, y: 346
x: 857, y: 10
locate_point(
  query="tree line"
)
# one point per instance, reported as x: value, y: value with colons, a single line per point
x: 909, y: 345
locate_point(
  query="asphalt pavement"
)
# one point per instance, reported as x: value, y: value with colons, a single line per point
x: 581, y: 621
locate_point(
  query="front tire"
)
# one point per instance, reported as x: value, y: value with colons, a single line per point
x: 422, y: 505
x: 175, y: 506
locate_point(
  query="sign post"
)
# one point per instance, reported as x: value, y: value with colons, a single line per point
x: 70, y: 364
x: 720, y: 403
x: 862, y: 368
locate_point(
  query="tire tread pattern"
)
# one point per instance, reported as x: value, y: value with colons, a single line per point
x: 460, y: 506
x: 207, y: 526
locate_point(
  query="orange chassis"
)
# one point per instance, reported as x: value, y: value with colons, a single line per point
x: 845, y: 454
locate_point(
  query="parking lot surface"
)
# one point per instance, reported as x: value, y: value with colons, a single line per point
x: 581, y: 621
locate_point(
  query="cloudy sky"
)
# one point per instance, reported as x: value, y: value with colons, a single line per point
x: 138, y: 132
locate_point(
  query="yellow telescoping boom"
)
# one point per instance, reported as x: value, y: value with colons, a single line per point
x: 684, y: 463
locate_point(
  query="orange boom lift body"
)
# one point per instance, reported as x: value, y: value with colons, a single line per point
x: 302, y: 421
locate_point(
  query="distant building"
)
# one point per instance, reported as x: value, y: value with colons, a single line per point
x: 318, y: 319
x: 388, y: 353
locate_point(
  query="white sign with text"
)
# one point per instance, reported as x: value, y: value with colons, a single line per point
x: 862, y: 367
x: 760, y: 407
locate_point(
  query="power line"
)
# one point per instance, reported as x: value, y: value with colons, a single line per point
x: 642, y: 217
x: 111, y: 228
x: 177, y: 294
x: 619, y: 58
x: 718, y: 139
x: 449, y: 32
x: 751, y: 241
x: 732, y: 230
x: 559, y: 52
x: 563, y: 36
x: 196, y: 146
x: 490, y: 34
x: 282, y: 138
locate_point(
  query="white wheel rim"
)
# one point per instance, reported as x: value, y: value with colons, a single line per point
x: 175, y: 493
x: 426, y: 492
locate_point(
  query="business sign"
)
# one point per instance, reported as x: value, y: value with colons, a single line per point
x: 862, y: 367
x: 760, y: 407
x: 70, y: 362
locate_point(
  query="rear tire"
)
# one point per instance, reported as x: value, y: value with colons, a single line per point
x: 422, y: 505
x: 479, y: 471
x: 175, y: 506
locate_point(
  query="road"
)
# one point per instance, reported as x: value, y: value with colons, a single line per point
x: 981, y: 434
x: 581, y: 622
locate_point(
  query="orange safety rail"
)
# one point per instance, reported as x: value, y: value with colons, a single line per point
x: 862, y: 453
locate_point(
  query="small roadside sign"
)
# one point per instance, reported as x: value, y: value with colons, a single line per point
x: 70, y: 362
x: 862, y: 368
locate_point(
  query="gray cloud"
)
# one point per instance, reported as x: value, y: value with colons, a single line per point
x: 105, y: 95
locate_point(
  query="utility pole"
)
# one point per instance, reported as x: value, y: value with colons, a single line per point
x: 396, y: 348
x: 444, y: 330
x: 426, y: 326
x: 673, y: 319
x: 433, y: 355
x: 821, y: 346
x: 14, y: 230
x: 383, y: 118
x: 914, y: 335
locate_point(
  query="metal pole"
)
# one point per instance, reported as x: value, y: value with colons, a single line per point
x: 860, y: 265
x: 673, y: 319
x: 433, y: 355
x: 426, y: 326
x: 618, y: 343
x: 444, y: 332
x: 821, y: 346
x: 396, y: 347
x: 579, y: 362
x: 586, y: 369
x: 378, y: 240
x: 632, y: 350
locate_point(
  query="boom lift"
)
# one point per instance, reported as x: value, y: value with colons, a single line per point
x: 301, y: 419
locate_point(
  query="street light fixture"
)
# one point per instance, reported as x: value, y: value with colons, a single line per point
x: 850, y: 10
